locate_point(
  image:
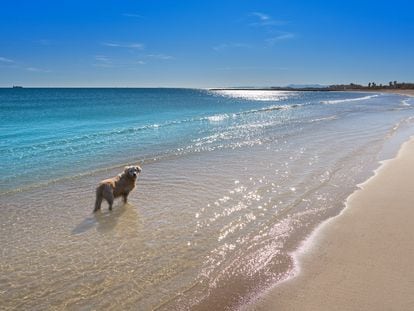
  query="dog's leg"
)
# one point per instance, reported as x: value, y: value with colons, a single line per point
x: 125, y: 197
x: 110, y: 202
x: 98, y: 201
x: 109, y: 196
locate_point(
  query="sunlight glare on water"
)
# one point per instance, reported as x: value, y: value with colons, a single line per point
x: 257, y: 94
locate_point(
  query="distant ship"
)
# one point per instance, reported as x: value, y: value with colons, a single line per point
x: 17, y: 86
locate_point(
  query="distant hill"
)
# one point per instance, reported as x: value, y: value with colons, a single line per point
x: 306, y: 86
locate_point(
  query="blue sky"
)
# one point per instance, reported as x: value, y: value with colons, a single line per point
x: 205, y: 43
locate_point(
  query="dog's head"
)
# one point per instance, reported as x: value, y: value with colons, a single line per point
x: 132, y: 171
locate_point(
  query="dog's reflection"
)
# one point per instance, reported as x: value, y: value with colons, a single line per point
x: 122, y: 219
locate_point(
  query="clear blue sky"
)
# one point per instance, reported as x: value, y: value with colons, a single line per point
x: 205, y: 43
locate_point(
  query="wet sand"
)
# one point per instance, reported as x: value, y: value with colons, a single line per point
x: 362, y: 259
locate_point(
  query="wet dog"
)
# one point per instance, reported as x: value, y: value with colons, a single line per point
x: 118, y: 186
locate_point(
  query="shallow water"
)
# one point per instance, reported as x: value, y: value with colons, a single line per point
x: 231, y: 183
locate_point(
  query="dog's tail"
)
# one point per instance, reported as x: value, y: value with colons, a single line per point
x: 98, y: 201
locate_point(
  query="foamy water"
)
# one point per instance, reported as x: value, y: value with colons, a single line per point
x: 346, y: 100
x: 231, y: 185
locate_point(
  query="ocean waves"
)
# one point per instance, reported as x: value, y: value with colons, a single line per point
x: 56, y: 143
x: 347, y: 100
x: 221, y: 117
x: 68, y: 144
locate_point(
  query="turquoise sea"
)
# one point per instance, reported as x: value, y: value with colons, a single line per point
x: 233, y: 181
x: 49, y: 134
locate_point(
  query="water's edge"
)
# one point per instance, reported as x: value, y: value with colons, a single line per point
x: 308, y: 245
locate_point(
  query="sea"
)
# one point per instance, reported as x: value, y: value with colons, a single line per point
x: 232, y: 183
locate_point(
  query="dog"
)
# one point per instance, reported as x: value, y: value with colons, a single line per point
x: 121, y: 185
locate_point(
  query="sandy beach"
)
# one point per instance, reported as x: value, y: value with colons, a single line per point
x: 400, y: 92
x: 404, y: 92
x: 361, y: 259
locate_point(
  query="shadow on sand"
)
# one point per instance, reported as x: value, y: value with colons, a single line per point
x: 106, y: 221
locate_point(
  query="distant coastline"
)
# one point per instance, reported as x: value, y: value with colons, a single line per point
x: 393, y: 87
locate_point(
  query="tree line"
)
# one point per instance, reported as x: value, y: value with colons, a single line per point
x: 373, y: 85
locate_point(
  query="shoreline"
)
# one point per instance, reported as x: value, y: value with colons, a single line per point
x: 409, y: 93
x: 361, y: 258
x: 404, y: 92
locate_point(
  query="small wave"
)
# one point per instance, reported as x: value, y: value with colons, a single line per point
x: 250, y: 126
x: 339, y: 101
x: 218, y: 118
x: 324, y: 119
x: 275, y: 107
x: 404, y: 102
x: 221, y: 117
x: 62, y: 143
x: 225, y: 116
x: 270, y: 108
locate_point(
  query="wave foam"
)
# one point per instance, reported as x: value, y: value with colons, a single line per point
x: 339, y: 101
x: 217, y: 118
x: 270, y: 108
